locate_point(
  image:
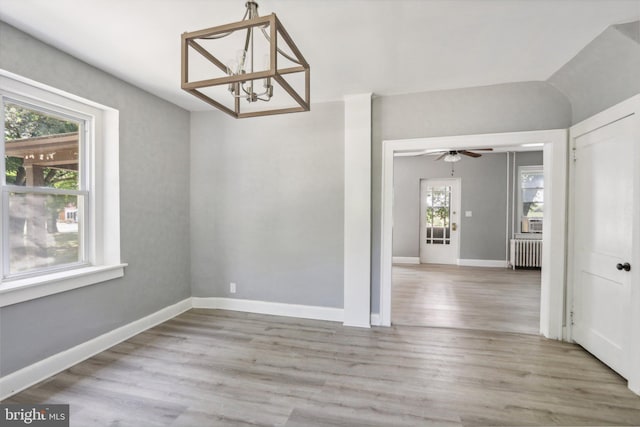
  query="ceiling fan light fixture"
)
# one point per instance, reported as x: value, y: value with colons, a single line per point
x: 452, y: 157
x: 244, y: 79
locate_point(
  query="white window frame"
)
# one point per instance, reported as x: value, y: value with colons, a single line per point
x: 521, y: 169
x: 103, y: 211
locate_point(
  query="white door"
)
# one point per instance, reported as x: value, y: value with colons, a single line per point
x: 439, y: 220
x: 603, y: 214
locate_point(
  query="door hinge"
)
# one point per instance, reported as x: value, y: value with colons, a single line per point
x: 571, y: 318
x: 573, y: 150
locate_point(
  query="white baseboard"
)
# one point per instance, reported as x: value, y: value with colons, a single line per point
x: 375, y: 319
x: 483, y: 263
x: 39, y: 371
x: 273, y: 308
x: 406, y: 260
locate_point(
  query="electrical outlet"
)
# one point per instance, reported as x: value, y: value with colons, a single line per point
x: 232, y: 287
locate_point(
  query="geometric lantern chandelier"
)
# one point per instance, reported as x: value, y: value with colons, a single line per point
x: 235, y: 67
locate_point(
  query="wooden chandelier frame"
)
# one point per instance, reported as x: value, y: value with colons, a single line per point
x: 190, y: 42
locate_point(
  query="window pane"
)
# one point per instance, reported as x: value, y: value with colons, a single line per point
x: 532, y: 180
x: 532, y: 195
x: 437, y: 215
x: 532, y: 210
x: 40, y: 150
x: 44, y: 231
x: 438, y: 233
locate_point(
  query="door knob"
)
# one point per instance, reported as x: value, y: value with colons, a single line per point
x: 454, y: 226
x: 626, y: 266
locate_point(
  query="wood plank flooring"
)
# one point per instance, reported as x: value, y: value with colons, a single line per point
x: 494, y: 299
x: 221, y: 368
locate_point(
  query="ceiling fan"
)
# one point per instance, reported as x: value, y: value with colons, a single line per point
x: 454, y: 155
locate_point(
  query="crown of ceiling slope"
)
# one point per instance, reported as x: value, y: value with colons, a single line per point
x: 244, y: 81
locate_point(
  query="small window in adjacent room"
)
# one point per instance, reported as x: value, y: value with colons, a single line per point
x: 59, y: 195
x: 531, y: 198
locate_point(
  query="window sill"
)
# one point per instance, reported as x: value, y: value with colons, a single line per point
x: 21, y: 290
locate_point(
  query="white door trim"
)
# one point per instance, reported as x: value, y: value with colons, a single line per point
x: 357, y: 210
x: 552, y: 302
x: 619, y: 111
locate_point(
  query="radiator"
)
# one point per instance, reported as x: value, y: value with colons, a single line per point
x: 526, y: 253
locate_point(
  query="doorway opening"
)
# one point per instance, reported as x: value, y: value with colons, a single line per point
x: 551, y: 299
x: 462, y: 280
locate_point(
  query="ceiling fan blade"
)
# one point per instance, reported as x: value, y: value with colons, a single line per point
x: 441, y: 156
x: 482, y: 149
x: 469, y: 153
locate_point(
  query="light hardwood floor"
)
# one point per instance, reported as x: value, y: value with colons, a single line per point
x: 220, y: 368
x: 494, y: 299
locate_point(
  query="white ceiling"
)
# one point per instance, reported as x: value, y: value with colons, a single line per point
x: 353, y: 46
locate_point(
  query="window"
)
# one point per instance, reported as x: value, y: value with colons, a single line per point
x: 59, y: 191
x: 44, y: 176
x: 531, y: 198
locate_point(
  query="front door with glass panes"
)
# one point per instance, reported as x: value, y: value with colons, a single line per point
x: 439, y: 220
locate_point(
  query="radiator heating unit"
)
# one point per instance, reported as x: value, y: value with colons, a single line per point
x: 526, y: 253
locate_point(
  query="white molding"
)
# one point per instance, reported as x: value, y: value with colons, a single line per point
x: 553, y: 281
x: 406, y: 260
x: 616, y: 112
x: 375, y: 319
x: 357, y: 209
x: 15, y: 291
x: 39, y: 371
x: 272, y: 308
x: 483, y: 263
x: 555, y: 147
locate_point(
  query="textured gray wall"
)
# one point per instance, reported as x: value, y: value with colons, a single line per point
x: 509, y: 107
x: 267, y: 206
x: 602, y: 74
x: 154, y: 200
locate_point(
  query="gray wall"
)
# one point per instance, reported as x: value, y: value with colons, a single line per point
x: 602, y: 74
x: 483, y: 191
x: 267, y: 202
x: 500, y: 108
x: 154, y: 195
